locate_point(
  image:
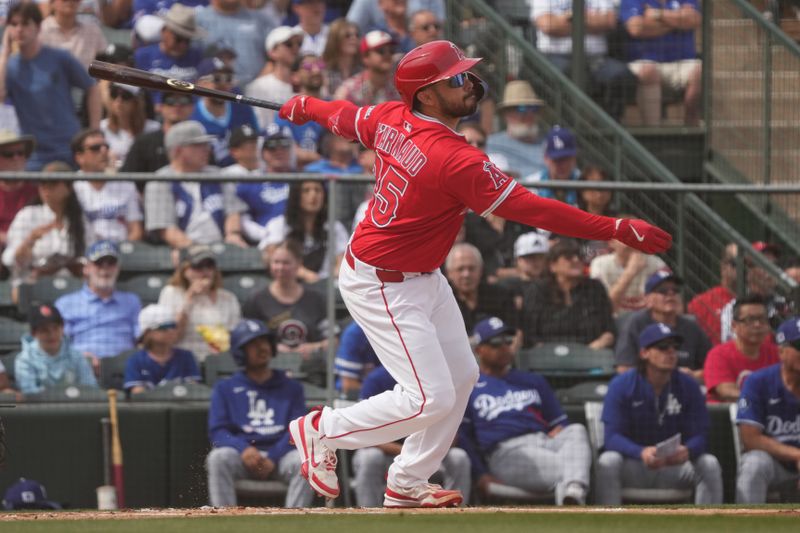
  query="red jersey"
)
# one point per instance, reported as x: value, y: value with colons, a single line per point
x: 426, y: 178
x: 726, y: 364
x: 707, y: 307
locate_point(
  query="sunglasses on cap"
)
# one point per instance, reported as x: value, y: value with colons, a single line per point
x: 11, y: 154
x: 666, y: 345
x: 500, y: 340
x: 117, y: 92
x: 96, y: 148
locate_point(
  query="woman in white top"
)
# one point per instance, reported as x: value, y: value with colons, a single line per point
x: 47, y: 239
x: 196, y: 296
x: 125, y: 119
x: 305, y: 221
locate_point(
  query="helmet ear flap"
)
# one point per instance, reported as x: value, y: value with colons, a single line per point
x: 479, y: 87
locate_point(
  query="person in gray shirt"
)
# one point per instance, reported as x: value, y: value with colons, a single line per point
x: 663, y: 304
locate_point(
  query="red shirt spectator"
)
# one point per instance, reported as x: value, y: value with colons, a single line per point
x: 707, y: 307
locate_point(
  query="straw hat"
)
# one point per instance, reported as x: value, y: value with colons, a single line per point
x: 519, y: 92
x: 9, y: 137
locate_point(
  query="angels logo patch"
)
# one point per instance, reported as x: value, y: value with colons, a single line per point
x: 459, y: 52
x: 498, y: 178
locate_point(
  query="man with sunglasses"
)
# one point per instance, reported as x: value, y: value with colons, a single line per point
x: 99, y: 319
x: 427, y: 178
x: 373, y: 85
x: 768, y: 422
x: 663, y: 303
x: 424, y: 27
x: 643, y: 409
x: 514, y: 429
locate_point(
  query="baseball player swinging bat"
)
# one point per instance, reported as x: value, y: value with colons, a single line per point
x: 148, y: 80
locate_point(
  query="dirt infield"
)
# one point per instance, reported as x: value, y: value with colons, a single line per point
x: 134, y: 514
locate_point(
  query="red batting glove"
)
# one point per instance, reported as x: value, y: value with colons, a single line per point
x: 642, y: 236
x: 294, y: 110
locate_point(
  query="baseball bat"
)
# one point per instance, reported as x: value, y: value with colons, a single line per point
x: 116, y: 449
x: 148, y: 80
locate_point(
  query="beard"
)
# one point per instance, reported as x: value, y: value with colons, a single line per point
x: 465, y: 108
x: 522, y: 131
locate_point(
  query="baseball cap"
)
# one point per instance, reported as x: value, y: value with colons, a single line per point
x: 531, y: 243
x: 212, y: 65
x: 27, y: 494
x: 280, y: 35
x: 560, y: 143
x: 659, y: 277
x: 375, y: 39
x: 39, y: 315
x: 242, y: 134
x: 655, y: 333
x: 788, y: 331
x: 186, y: 133
x: 155, y: 316
x: 101, y: 249
x: 197, y: 253
x: 489, y: 328
x: 277, y: 137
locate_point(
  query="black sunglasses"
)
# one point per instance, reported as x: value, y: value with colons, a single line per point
x: 106, y: 262
x: 666, y: 345
x: 11, y: 154
x: 223, y: 78
x: 435, y: 25
x: 500, y: 340
x: 178, y: 100
x: 116, y: 92
x: 166, y: 326
x: 277, y: 143
x: 667, y: 291
x: 96, y: 147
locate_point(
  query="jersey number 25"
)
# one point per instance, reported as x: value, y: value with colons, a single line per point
x: 389, y: 189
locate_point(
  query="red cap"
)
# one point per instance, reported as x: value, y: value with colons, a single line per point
x: 375, y: 39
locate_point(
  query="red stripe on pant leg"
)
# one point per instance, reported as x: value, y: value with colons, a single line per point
x: 413, y: 368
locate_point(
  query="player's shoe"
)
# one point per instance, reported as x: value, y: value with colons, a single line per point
x: 574, y: 494
x: 423, y: 495
x: 318, y: 462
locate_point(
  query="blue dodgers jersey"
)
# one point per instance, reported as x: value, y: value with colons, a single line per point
x: 265, y: 201
x: 244, y: 413
x: 142, y: 371
x: 376, y: 382
x: 516, y: 404
x: 634, y: 418
x: 765, y: 402
x: 152, y: 59
x: 355, y: 357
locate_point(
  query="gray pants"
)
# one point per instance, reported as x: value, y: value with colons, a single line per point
x: 614, y: 471
x: 225, y: 467
x: 758, y: 473
x: 536, y: 462
x: 371, y: 464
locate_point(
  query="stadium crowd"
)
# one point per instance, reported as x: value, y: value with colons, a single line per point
x: 518, y: 288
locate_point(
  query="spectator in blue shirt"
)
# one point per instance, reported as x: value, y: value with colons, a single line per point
x: 644, y: 408
x: 159, y: 362
x: 663, y: 54
x: 100, y: 320
x: 355, y: 359
x: 47, y: 359
x: 248, y: 421
x: 769, y: 422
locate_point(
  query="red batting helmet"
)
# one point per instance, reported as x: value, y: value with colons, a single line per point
x: 427, y: 64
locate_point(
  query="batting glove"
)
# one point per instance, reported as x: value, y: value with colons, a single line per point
x: 294, y: 110
x: 642, y: 236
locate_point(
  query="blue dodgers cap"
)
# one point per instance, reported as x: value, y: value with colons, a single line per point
x: 489, y: 328
x: 27, y: 494
x: 659, y: 277
x: 560, y: 143
x: 101, y: 249
x: 655, y: 333
x: 788, y: 331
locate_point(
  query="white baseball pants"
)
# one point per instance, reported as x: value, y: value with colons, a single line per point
x: 418, y: 333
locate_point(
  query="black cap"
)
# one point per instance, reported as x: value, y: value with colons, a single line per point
x: 242, y: 134
x: 39, y: 315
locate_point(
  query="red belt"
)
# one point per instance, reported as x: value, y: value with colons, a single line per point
x: 386, y: 276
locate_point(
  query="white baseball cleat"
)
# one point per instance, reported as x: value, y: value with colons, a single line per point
x: 318, y: 462
x: 423, y: 495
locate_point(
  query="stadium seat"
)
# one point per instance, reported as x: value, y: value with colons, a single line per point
x: 244, y: 285
x: 219, y: 366
x: 232, y: 258
x: 11, y: 331
x: 174, y: 392
x: 7, y: 306
x: 255, y: 489
x: 290, y: 362
x: 588, y: 391
x: 567, y: 364
x: 8, y: 363
x: 45, y: 290
x: 112, y: 370
x: 138, y: 257
x: 68, y: 393
x: 594, y: 424
x: 146, y: 286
